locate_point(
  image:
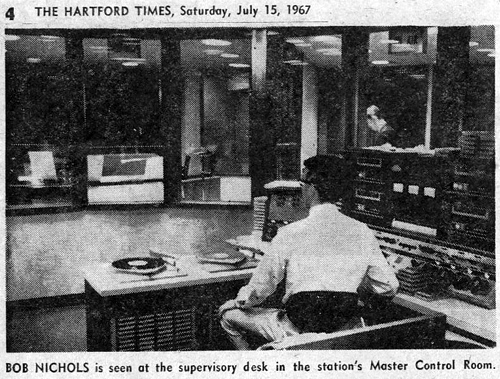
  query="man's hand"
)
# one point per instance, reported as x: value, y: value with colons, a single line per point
x: 228, y: 305
x: 232, y: 304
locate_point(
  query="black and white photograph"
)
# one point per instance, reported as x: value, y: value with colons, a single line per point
x: 297, y: 187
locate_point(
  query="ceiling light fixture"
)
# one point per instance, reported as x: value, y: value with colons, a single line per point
x: 327, y: 39
x: 486, y: 50
x: 33, y: 60
x: 473, y: 43
x: 213, y: 51
x: 215, y: 42
x: 295, y: 40
x: 333, y: 54
x: 125, y: 59
x: 12, y: 37
x: 239, y: 65
x: 380, y: 62
x: 47, y: 37
x: 130, y: 64
x: 292, y: 61
x: 272, y: 33
x: 304, y: 44
x: 99, y: 48
x: 329, y: 51
x: 131, y: 43
x: 229, y: 55
x: 491, y: 55
x: 388, y: 41
x: 418, y: 76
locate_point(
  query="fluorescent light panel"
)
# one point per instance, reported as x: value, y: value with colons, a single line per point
x: 213, y: 51
x: 229, y: 55
x: 215, y: 42
x: 327, y: 39
x: 295, y: 40
x: 388, y: 41
x: 239, y: 65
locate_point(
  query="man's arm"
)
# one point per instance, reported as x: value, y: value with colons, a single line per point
x: 263, y: 283
x: 379, y: 278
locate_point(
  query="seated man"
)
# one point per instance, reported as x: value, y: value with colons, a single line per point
x: 385, y: 135
x: 325, y: 258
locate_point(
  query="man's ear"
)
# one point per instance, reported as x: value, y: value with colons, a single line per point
x: 311, y: 176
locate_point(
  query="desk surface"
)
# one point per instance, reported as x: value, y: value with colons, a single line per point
x: 471, y: 318
x: 106, y: 281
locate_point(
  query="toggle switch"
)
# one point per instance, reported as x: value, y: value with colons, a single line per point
x: 429, y: 191
x: 413, y: 190
x: 397, y: 187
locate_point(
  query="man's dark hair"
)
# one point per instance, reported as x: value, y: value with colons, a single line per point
x: 330, y: 176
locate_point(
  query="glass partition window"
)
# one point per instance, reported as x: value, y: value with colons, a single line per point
x: 77, y: 97
x: 125, y: 141
x: 41, y: 176
x: 286, y: 60
x: 400, y: 94
x: 43, y: 114
x: 39, y: 81
x: 395, y: 89
x: 215, y: 122
x: 121, y: 78
x: 303, y: 71
x: 321, y: 113
x: 480, y: 97
x: 73, y: 97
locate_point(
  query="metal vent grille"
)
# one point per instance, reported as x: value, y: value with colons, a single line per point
x: 174, y: 330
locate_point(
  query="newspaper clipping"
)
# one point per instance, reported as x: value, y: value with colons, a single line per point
x: 248, y: 189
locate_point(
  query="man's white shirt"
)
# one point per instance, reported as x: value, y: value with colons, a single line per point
x: 326, y: 251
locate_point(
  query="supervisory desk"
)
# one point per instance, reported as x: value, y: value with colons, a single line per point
x: 471, y: 321
x: 468, y: 320
x: 173, y: 311
x: 164, y: 312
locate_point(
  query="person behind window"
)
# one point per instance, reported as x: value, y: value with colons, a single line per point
x: 328, y: 260
x: 385, y: 135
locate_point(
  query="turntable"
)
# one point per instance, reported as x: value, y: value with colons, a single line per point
x: 140, y: 265
x: 229, y: 258
x: 226, y: 261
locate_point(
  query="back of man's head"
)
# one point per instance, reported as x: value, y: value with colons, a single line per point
x: 373, y: 110
x: 329, y: 175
